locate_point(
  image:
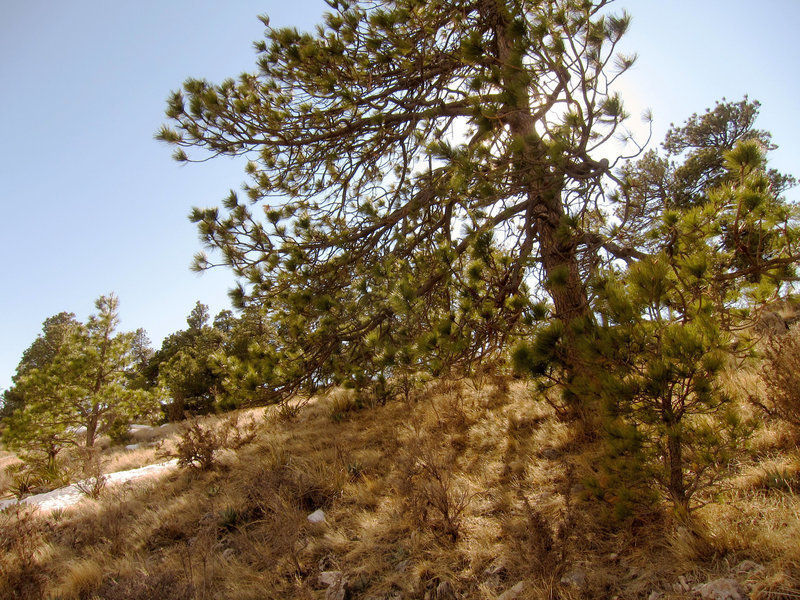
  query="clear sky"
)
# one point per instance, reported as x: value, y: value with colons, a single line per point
x: 92, y: 204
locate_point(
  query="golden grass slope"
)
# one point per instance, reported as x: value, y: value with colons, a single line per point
x: 462, y: 492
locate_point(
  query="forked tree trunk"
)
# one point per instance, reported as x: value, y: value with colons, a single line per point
x: 535, y: 172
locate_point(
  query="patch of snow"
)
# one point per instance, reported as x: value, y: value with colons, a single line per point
x: 134, y: 427
x: 71, y: 494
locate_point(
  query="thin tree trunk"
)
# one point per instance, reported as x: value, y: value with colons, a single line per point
x: 546, y: 213
x: 91, y: 430
x: 677, y: 486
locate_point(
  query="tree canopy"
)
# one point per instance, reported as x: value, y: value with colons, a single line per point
x: 41, y: 352
x: 84, y: 384
x: 429, y: 181
x: 420, y: 173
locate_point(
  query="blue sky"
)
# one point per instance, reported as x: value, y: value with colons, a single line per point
x: 92, y: 204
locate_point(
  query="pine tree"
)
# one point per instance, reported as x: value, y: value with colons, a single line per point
x: 413, y: 165
x: 183, y: 369
x: 676, y: 319
x: 86, y: 384
x: 38, y: 355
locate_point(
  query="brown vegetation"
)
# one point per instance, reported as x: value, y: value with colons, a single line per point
x: 462, y: 490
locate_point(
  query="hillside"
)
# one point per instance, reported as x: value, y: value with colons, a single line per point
x: 464, y: 491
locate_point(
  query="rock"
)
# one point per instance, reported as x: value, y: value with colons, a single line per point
x: 748, y: 567
x: 574, y: 578
x: 329, y: 578
x: 336, y: 592
x: 513, y: 593
x: 318, y: 516
x: 722, y: 589
x: 132, y: 446
x: 337, y: 585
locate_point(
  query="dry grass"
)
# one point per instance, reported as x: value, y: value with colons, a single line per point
x: 154, y: 445
x: 81, y: 579
x: 466, y: 489
x: 7, y: 459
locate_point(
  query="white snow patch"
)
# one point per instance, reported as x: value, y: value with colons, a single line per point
x: 135, y: 427
x: 71, y: 494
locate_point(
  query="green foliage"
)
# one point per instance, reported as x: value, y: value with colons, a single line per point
x: 55, y: 330
x: 85, y: 384
x: 381, y: 240
x: 672, y: 322
x: 184, y: 371
x: 417, y: 202
x: 538, y: 357
x: 198, y: 318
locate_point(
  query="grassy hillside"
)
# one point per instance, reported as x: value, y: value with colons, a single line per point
x: 464, y: 491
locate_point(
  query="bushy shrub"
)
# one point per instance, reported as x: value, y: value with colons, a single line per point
x: 35, y: 478
x: 198, y: 445
x: 21, y: 572
x: 119, y: 431
x: 435, y: 498
x: 93, y: 480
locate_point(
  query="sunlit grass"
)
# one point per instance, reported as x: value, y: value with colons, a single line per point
x: 471, y: 487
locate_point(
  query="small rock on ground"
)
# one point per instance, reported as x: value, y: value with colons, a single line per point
x: 722, y: 589
x: 337, y: 584
x: 513, y: 593
x: 318, y: 516
x: 328, y: 578
x: 575, y: 578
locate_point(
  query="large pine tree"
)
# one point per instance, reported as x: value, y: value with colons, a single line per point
x: 419, y: 172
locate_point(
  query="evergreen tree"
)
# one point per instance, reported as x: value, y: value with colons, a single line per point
x: 715, y: 241
x: 38, y: 355
x: 675, y: 320
x: 184, y: 367
x: 413, y: 164
x: 198, y: 318
x: 84, y: 385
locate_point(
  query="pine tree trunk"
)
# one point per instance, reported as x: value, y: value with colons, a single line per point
x: 676, y: 484
x: 561, y: 269
x: 546, y: 213
x: 536, y: 172
x: 51, y: 459
x: 91, y: 430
